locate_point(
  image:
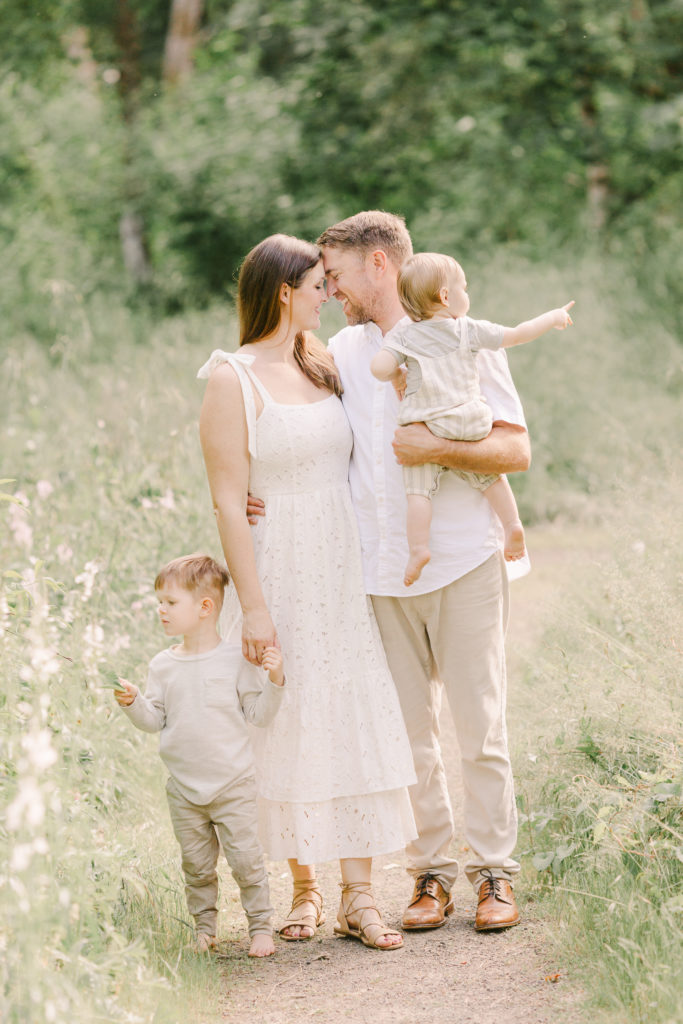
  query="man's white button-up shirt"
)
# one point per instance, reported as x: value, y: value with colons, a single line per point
x: 465, y: 531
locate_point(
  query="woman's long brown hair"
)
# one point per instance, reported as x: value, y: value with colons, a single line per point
x: 278, y: 260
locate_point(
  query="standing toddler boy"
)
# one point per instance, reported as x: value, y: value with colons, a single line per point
x: 200, y: 694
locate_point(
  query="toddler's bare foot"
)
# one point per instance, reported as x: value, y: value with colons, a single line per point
x: 514, y: 541
x: 205, y: 943
x: 416, y: 563
x: 262, y: 945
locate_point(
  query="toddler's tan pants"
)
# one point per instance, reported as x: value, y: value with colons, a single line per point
x: 230, y: 818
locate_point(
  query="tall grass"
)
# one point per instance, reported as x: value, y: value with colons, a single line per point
x: 601, y: 777
x: 104, y: 482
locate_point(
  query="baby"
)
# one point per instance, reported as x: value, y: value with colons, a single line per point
x: 200, y: 695
x: 440, y: 387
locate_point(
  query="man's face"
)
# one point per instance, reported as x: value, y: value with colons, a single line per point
x: 348, y: 281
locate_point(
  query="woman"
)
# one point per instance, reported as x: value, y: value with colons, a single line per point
x: 333, y: 766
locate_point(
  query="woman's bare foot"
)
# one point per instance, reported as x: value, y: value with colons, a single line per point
x: 514, y: 541
x: 262, y: 945
x: 416, y: 563
x: 205, y: 943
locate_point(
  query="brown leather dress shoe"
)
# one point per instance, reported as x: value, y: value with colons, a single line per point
x: 430, y: 906
x: 496, y: 907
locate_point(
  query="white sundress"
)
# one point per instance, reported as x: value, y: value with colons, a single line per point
x: 333, y: 766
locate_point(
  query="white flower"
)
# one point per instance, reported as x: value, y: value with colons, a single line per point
x: 64, y: 553
x: 19, y: 527
x: 22, y: 855
x: 45, y: 662
x: 87, y: 578
x: 167, y: 500
x: 38, y: 746
x: 28, y: 804
x: 93, y: 635
x: 44, y: 489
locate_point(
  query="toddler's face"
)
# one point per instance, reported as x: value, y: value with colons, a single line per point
x: 458, y: 300
x: 179, y: 609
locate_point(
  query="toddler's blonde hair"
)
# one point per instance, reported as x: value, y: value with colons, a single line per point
x: 420, y: 280
x: 196, y: 572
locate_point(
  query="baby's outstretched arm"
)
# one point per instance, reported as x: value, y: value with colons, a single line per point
x: 530, y: 329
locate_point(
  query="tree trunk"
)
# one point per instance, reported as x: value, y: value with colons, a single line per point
x: 180, y: 39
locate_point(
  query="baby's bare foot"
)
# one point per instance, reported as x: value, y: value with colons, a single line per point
x: 416, y: 563
x: 262, y: 945
x: 514, y: 541
x: 205, y: 943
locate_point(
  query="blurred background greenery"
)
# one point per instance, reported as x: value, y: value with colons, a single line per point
x: 143, y: 154
x: 145, y: 146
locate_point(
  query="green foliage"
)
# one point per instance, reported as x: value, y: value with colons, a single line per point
x: 536, y: 126
x: 108, y: 485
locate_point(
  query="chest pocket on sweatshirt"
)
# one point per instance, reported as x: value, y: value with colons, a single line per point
x: 220, y: 693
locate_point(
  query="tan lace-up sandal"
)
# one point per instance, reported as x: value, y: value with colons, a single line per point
x: 306, y: 910
x: 367, y: 924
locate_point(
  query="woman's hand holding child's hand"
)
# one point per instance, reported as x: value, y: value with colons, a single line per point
x: 126, y: 697
x: 258, y: 632
x: 272, y: 663
x: 562, y: 317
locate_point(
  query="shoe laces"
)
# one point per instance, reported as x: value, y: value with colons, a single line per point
x: 491, y: 886
x: 425, y: 885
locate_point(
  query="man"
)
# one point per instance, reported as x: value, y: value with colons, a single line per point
x: 447, y: 630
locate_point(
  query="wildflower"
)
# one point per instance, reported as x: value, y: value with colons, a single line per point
x: 87, y: 578
x: 27, y: 805
x: 44, y: 489
x: 22, y: 854
x: 167, y: 500
x: 38, y: 746
x: 19, y: 526
x: 64, y: 553
x: 93, y: 636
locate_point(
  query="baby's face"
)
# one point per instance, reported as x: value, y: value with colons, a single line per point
x: 458, y: 301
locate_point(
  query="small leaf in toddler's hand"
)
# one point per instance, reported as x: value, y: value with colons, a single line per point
x: 112, y: 683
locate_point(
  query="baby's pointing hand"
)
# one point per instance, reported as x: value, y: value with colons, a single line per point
x: 563, y: 318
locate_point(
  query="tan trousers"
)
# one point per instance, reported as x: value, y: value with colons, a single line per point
x: 453, y: 639
x: 231, y: 817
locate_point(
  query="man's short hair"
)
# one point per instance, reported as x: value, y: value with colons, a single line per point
x: 370, y: 230
x: 196, y: 572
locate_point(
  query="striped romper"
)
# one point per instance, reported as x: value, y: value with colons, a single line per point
x: 442, y: 389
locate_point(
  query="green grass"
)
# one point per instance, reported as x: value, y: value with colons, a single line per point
x: 100, y: 446
x: 600, y: 777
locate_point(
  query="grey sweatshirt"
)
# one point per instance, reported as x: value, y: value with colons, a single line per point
x: 201, y: 705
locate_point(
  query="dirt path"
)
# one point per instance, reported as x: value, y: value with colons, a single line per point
x: 452, y: 974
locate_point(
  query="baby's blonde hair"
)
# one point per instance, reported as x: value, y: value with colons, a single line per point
x: 196, y: 572
x: 420, y: 280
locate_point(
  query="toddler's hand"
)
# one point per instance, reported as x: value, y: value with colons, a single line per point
x: 562, y: 317
x: 126, y: 697
x: 272, y: 663
x: 399, y: 383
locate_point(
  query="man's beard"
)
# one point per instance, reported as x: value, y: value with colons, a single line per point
x: 358, y: 314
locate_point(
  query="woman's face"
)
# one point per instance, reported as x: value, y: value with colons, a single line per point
x: 306, y: 300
